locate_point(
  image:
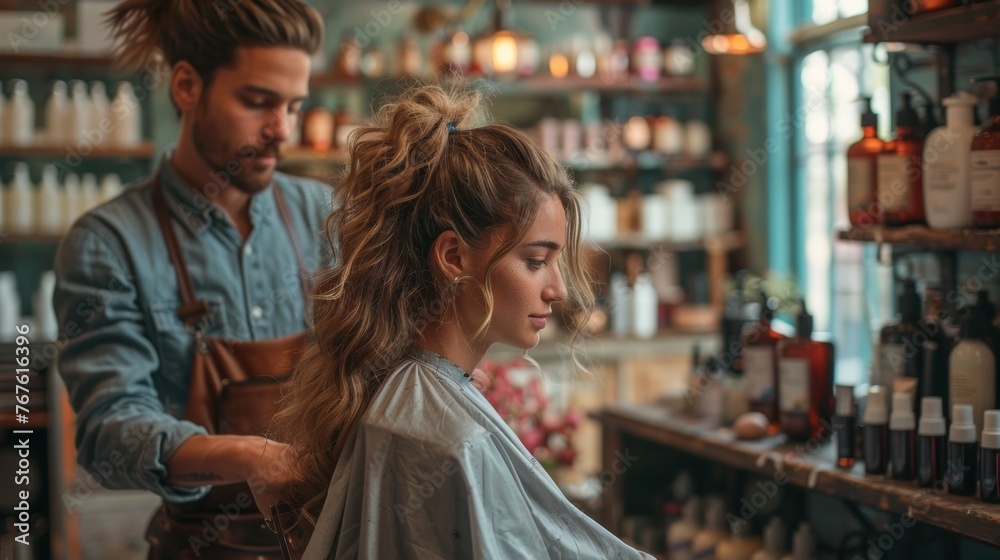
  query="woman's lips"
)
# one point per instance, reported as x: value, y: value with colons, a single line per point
x: 537, y: 321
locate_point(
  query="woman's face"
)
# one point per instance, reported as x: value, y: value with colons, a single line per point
x: 525, y: 281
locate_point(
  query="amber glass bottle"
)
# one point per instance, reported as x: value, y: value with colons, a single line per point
x: 917, y: 7
x: 900, y: 175
x: 862, y: 161
x: 985, y: 172
x: 760, y: 363
x: 805, y: 383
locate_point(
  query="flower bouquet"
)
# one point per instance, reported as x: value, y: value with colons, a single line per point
x: 517, y: 393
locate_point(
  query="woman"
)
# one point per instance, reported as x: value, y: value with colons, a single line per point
x: 449, y: 239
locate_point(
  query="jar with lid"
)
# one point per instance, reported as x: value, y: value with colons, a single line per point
x: 678, y: 59
x: 647, y: 58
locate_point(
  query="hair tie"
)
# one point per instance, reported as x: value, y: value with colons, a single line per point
x: 452, y: 127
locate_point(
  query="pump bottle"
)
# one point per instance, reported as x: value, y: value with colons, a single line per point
x: 985, y: 164
x: 862, y: 160
x: 900, y: 176
x: 946, y: 160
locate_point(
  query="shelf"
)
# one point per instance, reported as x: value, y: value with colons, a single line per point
x: 36, y: 420
x: 535, y: 85
x: 145, y: 150
x: 954, y: 25
x: 18, y: 238
x: 65, y: 58
x: 813, y: 470
x: 638, y: 242
x: 608, y: 347
x: 651, y: 161
x: 645, y: 161
x: 921, y: 236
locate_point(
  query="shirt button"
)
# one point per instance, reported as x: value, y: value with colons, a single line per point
x: 247, y: 250
x: 257, y: 312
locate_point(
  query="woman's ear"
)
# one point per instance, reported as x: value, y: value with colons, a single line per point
x: 449, y: 257
x: 186, y: 86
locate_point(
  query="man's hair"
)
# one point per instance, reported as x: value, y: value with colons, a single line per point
x: 206, y: 33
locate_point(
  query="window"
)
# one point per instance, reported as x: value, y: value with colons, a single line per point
x: 828, y: 78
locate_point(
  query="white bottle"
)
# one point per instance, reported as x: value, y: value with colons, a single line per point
x: 20, y: 116
x: 21, y: 202
x: 81, y: 112
x: 697, y: 139
x: 90, y: 197
x: 126, y: 116
x: 100, y: 113
x: 57, y: 116
x: 602, y: 213
x: 10, y: 306
x: 971, y: 373
x: 645, y: 303
x: 947, y: 163
x: 46, y: 325
x: 803, y: 544
x: 111, y: 186
x: 774, y: 541
x: 680, y: 535
x: 714, y: 532
x: 72, y: 202
x: 621, y: 305
x: 48, y: 204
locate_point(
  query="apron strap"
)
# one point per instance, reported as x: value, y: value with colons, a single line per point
x: 193, y: 310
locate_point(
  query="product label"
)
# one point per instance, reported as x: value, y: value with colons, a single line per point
x: 894, y: 182
x: 985, y: 180
x: 860, y: 172
x: 793, y: 383
x: 941, y: 177
x: 759, y: 373
x: 891, y: 364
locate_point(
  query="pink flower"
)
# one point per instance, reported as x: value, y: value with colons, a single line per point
x: 532, y: 439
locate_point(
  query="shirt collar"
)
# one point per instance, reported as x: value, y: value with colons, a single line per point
x: 196, y: 211
x: 439, y: 363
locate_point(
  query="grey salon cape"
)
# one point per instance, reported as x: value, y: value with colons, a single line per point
x: 434, y: 472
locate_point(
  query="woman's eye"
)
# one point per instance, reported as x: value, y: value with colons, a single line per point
x: 535, y: 264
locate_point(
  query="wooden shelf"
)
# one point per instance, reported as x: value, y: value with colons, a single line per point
x: 13, y: 238
x: 66, y: 58
x: 816, y: 471
x: 36, y: 420
x: 954, y: 25
x: 608, y: 347
x: 921, y: 236
x: 535, y: 85
x: 651, y: 161
x: 144, y: 150
x: 638, y: 242
x: 645, y: 161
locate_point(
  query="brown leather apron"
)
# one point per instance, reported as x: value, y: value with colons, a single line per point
x: 234, y: 389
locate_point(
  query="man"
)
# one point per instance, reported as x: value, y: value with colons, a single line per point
x: 217, y: 217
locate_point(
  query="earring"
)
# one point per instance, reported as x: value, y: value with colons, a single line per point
x: 455, y: 281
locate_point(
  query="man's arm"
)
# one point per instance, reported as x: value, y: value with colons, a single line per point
x: 123, y: 434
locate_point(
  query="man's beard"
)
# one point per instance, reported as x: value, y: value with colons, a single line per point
x: 218, y: 155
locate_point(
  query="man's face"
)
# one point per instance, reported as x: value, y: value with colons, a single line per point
x: 246, y: 114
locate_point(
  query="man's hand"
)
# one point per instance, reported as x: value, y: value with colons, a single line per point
x: 270, y: 475
x: 228, y: 459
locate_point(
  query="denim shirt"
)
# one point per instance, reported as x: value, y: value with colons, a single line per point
x: 126, y: 357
